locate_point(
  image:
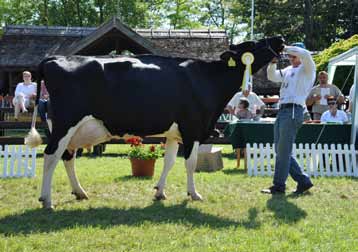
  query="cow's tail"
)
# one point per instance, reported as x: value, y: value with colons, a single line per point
x: 33, y: 138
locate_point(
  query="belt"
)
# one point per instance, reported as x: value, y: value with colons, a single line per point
x: 289, y: 105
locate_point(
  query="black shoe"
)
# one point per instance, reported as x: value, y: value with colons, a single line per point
x: 303, y: 188
x: 273, y: 190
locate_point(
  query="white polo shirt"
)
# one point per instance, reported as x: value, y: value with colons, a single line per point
x: 341, y: 117
x: 254, y: 101
x: 25, y: 90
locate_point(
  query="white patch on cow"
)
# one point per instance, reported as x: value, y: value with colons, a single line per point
x: 90, y: 133
x: 145, y: 66
x: 136, y: 63
x: 171, y: 150
x: 75, y: 184
x: 172, y: 133
x: 190, y: 165
x: 50, y: 162
x: 49, y: 124
x: 186, y: 63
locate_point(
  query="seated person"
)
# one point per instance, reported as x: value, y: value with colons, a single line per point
x: 243, y: 112
x: 315, y: 99
x: 334, y: 114
x: 255, y: 102
x: 43, y: 102
x: 25, y: 94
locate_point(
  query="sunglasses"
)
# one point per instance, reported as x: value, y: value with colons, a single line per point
x: 331, y: 103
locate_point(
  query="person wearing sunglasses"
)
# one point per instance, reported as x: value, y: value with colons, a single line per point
x: 334, y: 115
x: 320, y: 93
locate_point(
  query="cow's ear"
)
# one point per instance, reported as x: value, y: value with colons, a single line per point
x: 226, y: 56
x: 243, y: 47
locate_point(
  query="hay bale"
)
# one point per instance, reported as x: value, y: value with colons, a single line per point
x: 209, y: 158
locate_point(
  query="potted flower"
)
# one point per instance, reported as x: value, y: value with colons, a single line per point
x: 143, y: 156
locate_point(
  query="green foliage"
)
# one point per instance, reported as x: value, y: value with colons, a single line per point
x: 335, y: 49
x: 145, y: 152
x: 342, y: 72
x: 224, y: 14
x: 141, y: 151
x: 279, y: 18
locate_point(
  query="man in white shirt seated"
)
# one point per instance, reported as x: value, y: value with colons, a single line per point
x: 255, y: 103
x: 25, y: 94
x: 334, y: 115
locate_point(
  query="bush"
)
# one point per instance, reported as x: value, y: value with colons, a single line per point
x: 342, y: 72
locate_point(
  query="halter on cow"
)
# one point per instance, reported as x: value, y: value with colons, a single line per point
x: 98, y: 99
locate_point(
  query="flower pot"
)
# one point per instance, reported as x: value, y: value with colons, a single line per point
x: 142, y: 168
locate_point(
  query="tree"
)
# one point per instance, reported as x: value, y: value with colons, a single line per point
x: 223, y: 14
x: 335, y: 49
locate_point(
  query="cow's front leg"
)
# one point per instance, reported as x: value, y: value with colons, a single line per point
x: 50, y: 162
x: 171, y: 150
x: 69, y: 162
x: 190, y: 165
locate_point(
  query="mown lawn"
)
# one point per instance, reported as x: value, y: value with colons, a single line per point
x: 122, y: 216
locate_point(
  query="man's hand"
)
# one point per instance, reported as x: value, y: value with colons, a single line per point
x: 317, y: 97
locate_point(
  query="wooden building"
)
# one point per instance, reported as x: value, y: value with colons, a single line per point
x: 22, y: 47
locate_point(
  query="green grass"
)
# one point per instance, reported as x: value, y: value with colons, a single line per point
x: 122, y: 216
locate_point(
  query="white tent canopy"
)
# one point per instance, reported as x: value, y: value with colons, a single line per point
x: 349, y: 58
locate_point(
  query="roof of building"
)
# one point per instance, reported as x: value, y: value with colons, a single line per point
x: 25, y: 46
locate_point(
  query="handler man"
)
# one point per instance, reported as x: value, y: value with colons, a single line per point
x: 296, y: 83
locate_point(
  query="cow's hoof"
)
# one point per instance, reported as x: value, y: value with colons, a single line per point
x: 195, y: 196
x: 80, y: 196
x: 46, y: 204
x: 160, y: 196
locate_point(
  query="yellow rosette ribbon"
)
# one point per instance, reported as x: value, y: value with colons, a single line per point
x: 247, y: 59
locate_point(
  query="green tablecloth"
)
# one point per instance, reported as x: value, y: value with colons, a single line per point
x: 241, y: 133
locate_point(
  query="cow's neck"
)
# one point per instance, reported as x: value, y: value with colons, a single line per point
x: 228, y: 80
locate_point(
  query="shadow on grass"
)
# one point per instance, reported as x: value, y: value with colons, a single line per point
x: 284, y: 210
x: 229, y: 155
x: 43, y: 221
x: 93, y: 156
x: 234, y: 171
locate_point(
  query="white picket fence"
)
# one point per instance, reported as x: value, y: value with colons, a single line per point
x: 326, y: 160
x: 17, y: 161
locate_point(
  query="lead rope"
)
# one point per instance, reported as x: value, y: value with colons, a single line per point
x: 324, y: 125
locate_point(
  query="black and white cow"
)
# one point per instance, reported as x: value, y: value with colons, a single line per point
x: 96, y: 99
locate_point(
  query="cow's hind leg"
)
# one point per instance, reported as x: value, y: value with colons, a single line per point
x: 171, y: 150
x: 190, y: 165
x: 50, y: 162
x: 69, y: 162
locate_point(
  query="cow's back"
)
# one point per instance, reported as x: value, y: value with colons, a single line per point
x: 130, y: 95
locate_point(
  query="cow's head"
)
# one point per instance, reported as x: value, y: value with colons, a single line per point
x: 263, y: 50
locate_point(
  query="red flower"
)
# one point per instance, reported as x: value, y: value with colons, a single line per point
x: 134, y: 141
x: 152, y: 148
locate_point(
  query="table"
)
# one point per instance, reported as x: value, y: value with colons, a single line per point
x: 241, y: 133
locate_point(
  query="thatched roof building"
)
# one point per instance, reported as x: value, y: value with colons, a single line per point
x: 22, y: 47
